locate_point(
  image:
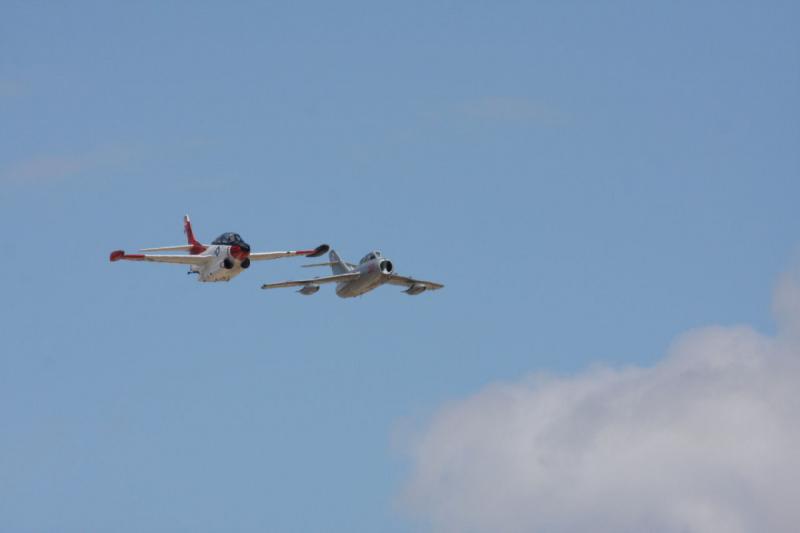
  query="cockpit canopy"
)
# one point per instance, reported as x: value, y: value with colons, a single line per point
x: 229, y: 239
x: 370, y: 257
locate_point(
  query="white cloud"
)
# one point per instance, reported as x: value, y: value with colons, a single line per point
x: 706, y: 441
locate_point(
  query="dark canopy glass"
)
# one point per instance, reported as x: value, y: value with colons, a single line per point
x: 228, y: 239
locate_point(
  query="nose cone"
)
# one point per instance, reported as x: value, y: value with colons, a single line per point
x: 240, y: 251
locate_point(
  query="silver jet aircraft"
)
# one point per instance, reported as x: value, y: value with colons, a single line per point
x: 351, y: 280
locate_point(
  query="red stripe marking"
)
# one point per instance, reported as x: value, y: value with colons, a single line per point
x: 197, y: 248
x: 120, y: 254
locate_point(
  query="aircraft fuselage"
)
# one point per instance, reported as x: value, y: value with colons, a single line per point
x: 373, y: 275
x: 224, y: 266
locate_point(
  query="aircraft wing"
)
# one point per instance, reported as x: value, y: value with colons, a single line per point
x: 180, y: 247
x: 312, y: 265
x: 316, y: 252
x: 161, y: 258
x: 394, y: 279
x: 347, y: 276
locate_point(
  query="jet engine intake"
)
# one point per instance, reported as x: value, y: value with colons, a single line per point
x: 246, y: 262
x: 308, y: 290
x: 227, y: 263
x: 386, y: 266
x: 415, y: 289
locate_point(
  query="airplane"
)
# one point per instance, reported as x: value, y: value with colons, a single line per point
x: 352, y: 280
x: 222, y: 260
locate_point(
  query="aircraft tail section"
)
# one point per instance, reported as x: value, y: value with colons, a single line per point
x: 337, y: 265
x: 196, y: 246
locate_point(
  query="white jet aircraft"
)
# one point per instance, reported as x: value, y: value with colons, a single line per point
x: 222, y: 260
x: 351, y: 280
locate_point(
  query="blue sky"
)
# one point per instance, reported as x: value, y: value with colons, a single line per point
x: 588, y: 180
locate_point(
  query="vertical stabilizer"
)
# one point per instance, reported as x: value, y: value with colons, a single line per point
x: 197, y: 247
x: 337, y: 265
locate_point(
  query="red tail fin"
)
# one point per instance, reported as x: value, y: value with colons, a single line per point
x: 197, y: 247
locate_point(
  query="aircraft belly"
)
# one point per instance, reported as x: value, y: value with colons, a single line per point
x: 351, y: 289
x: 346, y: 290
x: 221, y: 274
x: 359, y: 286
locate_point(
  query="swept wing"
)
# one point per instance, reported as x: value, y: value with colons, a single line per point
x: 263, y: 256
x: 394, y: 279
x: 161, y: 258
x: 348, y: 276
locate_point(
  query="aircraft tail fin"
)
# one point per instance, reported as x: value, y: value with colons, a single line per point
x: 337, y: 265
x: 196, y: 246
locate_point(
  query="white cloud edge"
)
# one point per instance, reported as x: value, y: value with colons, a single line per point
x: 595, y: 450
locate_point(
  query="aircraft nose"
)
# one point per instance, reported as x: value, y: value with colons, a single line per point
x: 386, y: 266
x: 240, y: 252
